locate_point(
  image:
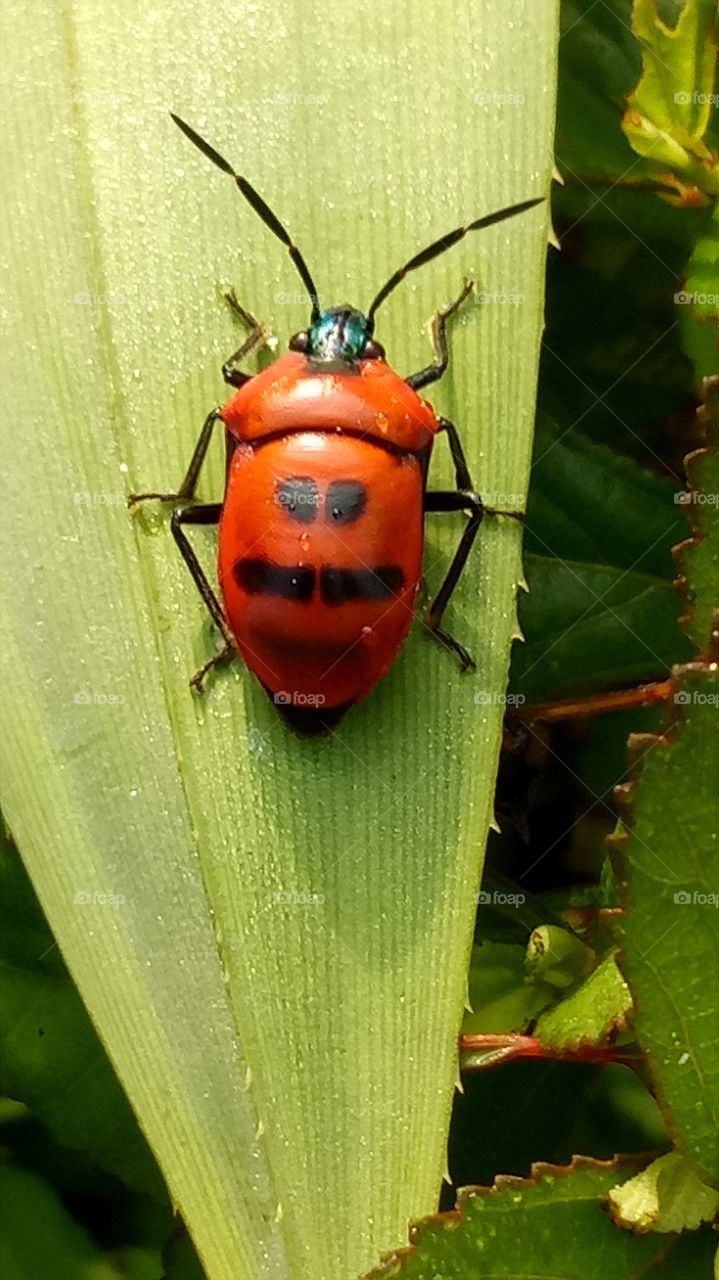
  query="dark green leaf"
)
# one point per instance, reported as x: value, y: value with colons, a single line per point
x: 552, y: 1228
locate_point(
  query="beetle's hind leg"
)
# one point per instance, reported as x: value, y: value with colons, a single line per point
x: 438, y: 329
x: 225, y: 654
x: 258, y: 335
x: 208, y: 513
x: 463, y: 498
x: 460, y: 500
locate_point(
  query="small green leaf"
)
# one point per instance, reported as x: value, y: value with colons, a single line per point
x: 667, y: 1196
x: 500, y: 997
x: 557, y: 957
x: 670, y: 111
x: 590, y: 504
x: 593, y: 626
x: 591, y: 1015
x: 698, y: 308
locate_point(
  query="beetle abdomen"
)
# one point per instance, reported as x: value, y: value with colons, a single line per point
x: 320, y: 559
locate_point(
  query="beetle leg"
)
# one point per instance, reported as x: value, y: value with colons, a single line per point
x: 208, y: 513
x: 454, y: 501
x: 462, y: 477
x: 438, y: 329
x: 464, y: 498
x: 189, y: 484
x: 224, y: 655
x: 256, y: 337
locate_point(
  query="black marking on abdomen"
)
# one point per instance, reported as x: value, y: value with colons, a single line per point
x: 264, y: 577
x: 338, y: 586
x: 346, y: 500
x: 299, y: 497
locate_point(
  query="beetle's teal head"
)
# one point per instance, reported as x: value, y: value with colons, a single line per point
x: 340, y: 334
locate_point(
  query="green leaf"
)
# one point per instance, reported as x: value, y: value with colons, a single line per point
x: 698, y: 308
x: 667, y: 1196
x: 590, y: 504
x: 601, y: 609
x: 670, y: 110
x: 505, y: 999
x: 669, y: 870
x: 612, y: 369
x: 590, y: 1015
x: 541, y: 1228
x: 500, y: 996
x: 173, y: 842
x: 50, y: 1057
x: 599, y: 66
x: 699, y: 559
x: 669, y: 873
x: 40, y: 1238
x: 594, y: 627
x: 557, y: 956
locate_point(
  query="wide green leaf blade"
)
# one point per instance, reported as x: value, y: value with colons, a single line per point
x: 268, y: 987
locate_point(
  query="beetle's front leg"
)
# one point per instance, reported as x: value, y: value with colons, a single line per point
x: 257, y: 337
x: 189, y: 484
x: 438, y: 329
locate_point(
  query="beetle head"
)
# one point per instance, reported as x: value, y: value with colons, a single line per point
x: 339, y: 334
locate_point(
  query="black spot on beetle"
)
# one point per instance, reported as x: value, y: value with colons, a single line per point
x: 346, y: 500
x: 299, y: 497
x: 264, y: 577
x: 339, y: 586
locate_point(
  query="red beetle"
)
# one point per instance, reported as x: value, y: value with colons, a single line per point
x: 321, y: 529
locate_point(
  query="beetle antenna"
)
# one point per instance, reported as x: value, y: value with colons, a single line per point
x: 259, y: 206
x: 439, y: 246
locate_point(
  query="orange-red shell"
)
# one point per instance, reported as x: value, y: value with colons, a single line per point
x: 320, y: 601
x: 294, y: 395
x: 312, y: 653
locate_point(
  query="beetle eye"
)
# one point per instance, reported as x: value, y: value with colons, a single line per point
x: 300, y: 342
x: 372, y: 350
